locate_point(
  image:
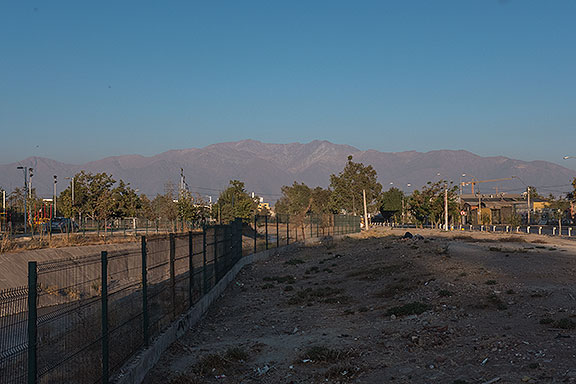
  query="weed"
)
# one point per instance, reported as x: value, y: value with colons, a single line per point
x: 267, y: 286
x: 325, y: 294
x: 565, y: 323
x: 463, y: 274
x: 328, y: 270
x: 322, y: 354
x: 444, y: 293
x: 294, y: 262
x: 349, y: 312
x: 392, y: 290
x: 211, y: 363
x: 415, y: 308
x: 510, y: 292
x: 341, y: 372
x: 497, y: 302
x: 363, y: 309
x: 512, y: 239
x: 491, y: 282
x: 281, y: 279
x: 459, y: 381
x: 546, y: 320
x: 312, y: 270
x: 288, y: 288
x: 552, y: 249
x: 533, y: 365
x: 236, y: 354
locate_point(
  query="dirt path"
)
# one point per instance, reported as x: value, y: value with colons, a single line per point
x: 389, y: 310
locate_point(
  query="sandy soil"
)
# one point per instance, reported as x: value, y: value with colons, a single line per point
x: 375, y: 308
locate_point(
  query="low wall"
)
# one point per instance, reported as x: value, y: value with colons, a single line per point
x: 14, y: 266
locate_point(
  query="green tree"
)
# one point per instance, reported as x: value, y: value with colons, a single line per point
x: 427, y: 206
x: 92, y: 196
x: 164, y: 206
x: 125, y: 201
x: 391, y: 204
x: 559, y: 208
x: 235, y: 202
x: 190, y: 208
x: 348, y: 185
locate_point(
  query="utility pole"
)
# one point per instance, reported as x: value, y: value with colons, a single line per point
x: 30, y: 174
x: 365, y: 210
x: 445, y: 207
x: 479, y: 208
x: 402, y: 209
x: 529, y: 205
x: 72, y: 194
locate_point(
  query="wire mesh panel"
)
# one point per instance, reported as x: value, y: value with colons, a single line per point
x: 181, y: 272
x: 69, y: 327
x: 13, y: 335
x: 125, y: 332
x: 159, y: 289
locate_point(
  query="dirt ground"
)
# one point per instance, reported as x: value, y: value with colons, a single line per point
x: 376, y: 308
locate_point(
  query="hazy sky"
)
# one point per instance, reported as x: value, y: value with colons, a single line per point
x: 81, y: 80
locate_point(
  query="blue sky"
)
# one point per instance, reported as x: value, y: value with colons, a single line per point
x: 81, y: 80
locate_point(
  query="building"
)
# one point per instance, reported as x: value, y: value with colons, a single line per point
x: 501, y: 208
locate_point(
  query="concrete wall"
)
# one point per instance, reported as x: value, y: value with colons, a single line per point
x: 14, y: 266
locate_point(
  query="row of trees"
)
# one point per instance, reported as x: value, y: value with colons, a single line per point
x: 99, y: 196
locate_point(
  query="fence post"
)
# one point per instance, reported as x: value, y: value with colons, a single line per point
x: 145, y: 318
x: 255, y: 232
x: 173, y: 272
x: 287, y: 229
x: 204, y: 275
x: 266, y: 222
x: 277, y: 233
x: 32, y: 321
x: 105, y: 349
x: 215, y: 261
x: 190, y: 268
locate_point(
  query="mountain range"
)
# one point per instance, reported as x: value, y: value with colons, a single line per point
x: 265, y: 168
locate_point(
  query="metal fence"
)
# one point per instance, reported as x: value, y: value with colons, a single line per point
x: 80, y: 320
x: 550, y: 230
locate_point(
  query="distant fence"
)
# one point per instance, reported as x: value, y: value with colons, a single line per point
x: 80, y: 320
x: 550, y: 230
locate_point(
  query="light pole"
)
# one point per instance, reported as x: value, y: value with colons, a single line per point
x: 55, y: 181
x: 72, y: 194
x: 25, y: 170
x: 569, y: 157
x: 30, y: 174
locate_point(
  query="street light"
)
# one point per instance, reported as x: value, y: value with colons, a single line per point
x: 569, y: 157
x: 72, y: 192
x: 55, y: 181
x: 25, y: 170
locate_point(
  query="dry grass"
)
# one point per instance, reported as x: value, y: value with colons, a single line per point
x: 15, y: 245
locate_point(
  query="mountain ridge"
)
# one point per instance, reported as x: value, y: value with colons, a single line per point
x: 266, y: 167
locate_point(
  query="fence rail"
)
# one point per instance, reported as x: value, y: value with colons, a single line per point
x: 80, y: 320
x: 550, y: 230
